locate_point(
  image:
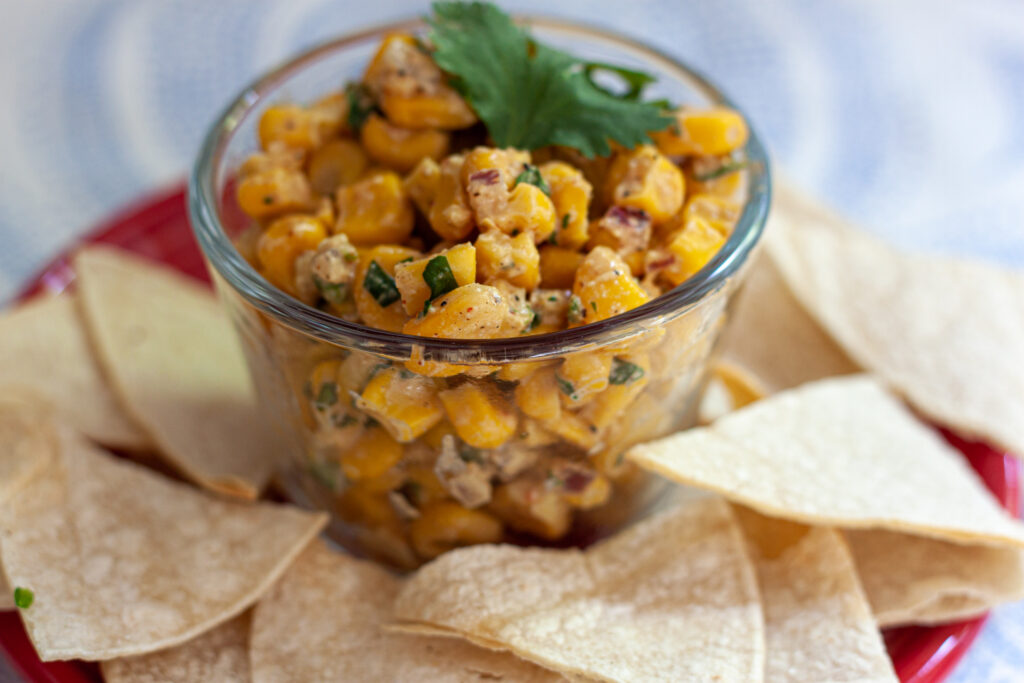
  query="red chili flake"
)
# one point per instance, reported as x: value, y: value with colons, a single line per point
x: 488, y: 177
x: 469, y: 310
x: 628, y: 214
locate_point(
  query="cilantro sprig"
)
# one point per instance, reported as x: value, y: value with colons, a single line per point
x: 530, y: 95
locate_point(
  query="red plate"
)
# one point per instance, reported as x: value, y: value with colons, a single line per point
x: 157, y: 227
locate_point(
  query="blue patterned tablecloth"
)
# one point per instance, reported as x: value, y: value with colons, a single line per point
x: 908, y: 116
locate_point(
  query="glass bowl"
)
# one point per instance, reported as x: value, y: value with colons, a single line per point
x: 410, y: 466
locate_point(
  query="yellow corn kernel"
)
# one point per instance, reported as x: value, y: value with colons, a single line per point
x: 443, y: 109
x: 330, y: 113
x: 691, y: 249
x: 393, y: 53
x: 532, y: 507
x: 558, y: 266
x: 324, y: 372
x: 423, y: 484
x: 368, y: 508
x: 537, y: 395
x: 406, y: 405
x: 498, y: 201
x: 374, y: 211
x: 731, y: 186
x: 624, y: 229
x: 514, y: 372
x: 512, y: 259
x: 625, y: 384
x: 529, y: 209
x: 716, y: 130
x: 280, y: 244
x: 339, y: 162
x: 445, y: 525
x: 612, y: 463
x: 471, y: 311
x: 291, y: 125
x: 645, y: 179
x: 508, y: 162
x: 415, y: 290
x: 481, y: 419
x: 450, y: 216
x: 573, y: 429
x: 391, y: 317
x: 533, y: 434
x: 721, y: 213
x: 274, y: 191
x: 571, y: 194
x: 604, y: 288
x: 371, y: 456
x: 582, y: 375
x: 597, y: 492
x: 389, y: 481
x: 433, y: 436
x: 637, y: 261
x: 422, y: 184
x: 401, y: 148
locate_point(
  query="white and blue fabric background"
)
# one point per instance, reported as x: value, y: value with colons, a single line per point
x: 908, y: 116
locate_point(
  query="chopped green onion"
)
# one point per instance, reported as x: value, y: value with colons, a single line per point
x: 566, y: 387
x: 531, y: 174
x: 624, y: 372
x: 576, y: 312
x: 470, y: 454
x: 334, y: 292
x: 565, y: 221
x: 327, y: 396
x: 23, y: 597
x: 534, y: 321
x: 326, y: 473
x: 360, y: 105
x: 439, y: 277
x: 380, y: 285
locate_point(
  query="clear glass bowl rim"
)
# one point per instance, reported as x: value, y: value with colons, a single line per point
x: 243, y: 278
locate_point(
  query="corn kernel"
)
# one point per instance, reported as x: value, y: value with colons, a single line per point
x: 721, y: 213
x: 582, y: 375
x: 445, y: 525
x: 604, y: 287
x: 645, y: 179
x: 401, y: 148
x: 691, y: 249
x: 622, y: 390
x: 372, y: 455
x: 391, y: 317
x: 444, y: 109
x: 422, y: 184
x: 338, y: 163
x: 574, y: 429
x: 282, y: 242
x: 716, y: 130
x: 537, y: 395
x: 531, y: 507
x: 480, y: 419
x: 596, y: 493
x: 450, y: 216
x: 471, y: 311
x: 374, y: 211
x: 406, y: 406
x: 409, y: 276
x: 570, y: 193
x: 558, y: 266
x: 291, y: 125
x: 512, y: 259
x: 273, y: 192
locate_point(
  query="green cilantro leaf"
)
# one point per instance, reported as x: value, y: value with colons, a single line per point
x: 566, y: 387
x: 724, y: 169
x: 360, y: 105
x: 530, y: 95
x: 380, y: 285
x: 327, y: 396
x: 531, y: 175
x: 439, y: 277
x: 576, y: 313
x: 333, y: 292
x: 624, y: 372
x: 23, y: 597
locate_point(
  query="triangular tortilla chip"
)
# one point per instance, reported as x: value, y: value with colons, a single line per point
x: 322, y: 622
x: 840, y: 452
x: 912, y: 580
x: 818, y: 625
x: 175, y: 362
x: 946, y: 333
x: 123, y: 561
x: 45, y: 353
x: 221, y: 655
x: 673, y: 598
x: 770, y: 334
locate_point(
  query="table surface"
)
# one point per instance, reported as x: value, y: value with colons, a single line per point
x: 908, y: 117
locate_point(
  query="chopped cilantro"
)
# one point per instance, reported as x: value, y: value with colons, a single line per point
x: 439, y: 277
x: 724, y: 169
x: 531, y: 175
x: 576, y: 312
x: 565, y: 221
x: 23, y: 597
x: 470, y: 454
x: 327, y: 396
x: 360, y: 105
x: 624, y: 372
x: 553, y: 237
x: 333, y: 292
x: 566, y: 387
x: 351, y: 256
x: 326, y: 473
x: 554, y: 481
x: 534, y: 321
x: 593, y: 305
x: 346, y: 420
x: 530, y: 95
x: 553, y: 298
x: 380, y: 285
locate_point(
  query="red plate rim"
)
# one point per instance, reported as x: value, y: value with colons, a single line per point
x: 156, y: 226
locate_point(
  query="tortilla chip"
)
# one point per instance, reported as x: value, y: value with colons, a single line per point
x: 45, y: 352
x: 174, y: 360
x: 818, y: 625
x: 839, y: 452
x: 322, y: 621
x: 672, y: 598
x: 729, y: 387
x: 911, y: 580
x: 770, y: 334
x: 946, y: 333
x: 221, y: 655
x: 123, y: 561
